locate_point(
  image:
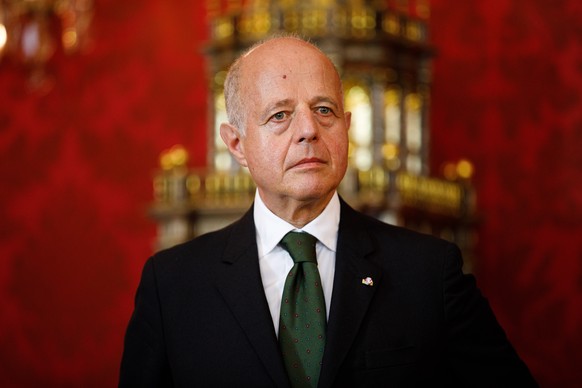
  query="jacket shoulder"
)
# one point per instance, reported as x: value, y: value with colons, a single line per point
x: 382, y: 232
x: 209, y: 248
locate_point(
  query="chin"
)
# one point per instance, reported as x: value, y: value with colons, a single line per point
x: 312, y: 193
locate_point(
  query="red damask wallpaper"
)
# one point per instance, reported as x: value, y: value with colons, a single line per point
x: 76, y: 166
x: 508, y: 95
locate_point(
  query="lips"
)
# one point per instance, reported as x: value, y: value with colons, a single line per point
x: 309, y: 161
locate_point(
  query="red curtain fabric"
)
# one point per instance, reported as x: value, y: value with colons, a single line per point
x: 76, y: 165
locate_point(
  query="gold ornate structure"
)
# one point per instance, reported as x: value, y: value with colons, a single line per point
x: 30, y: 31
x: 382, y: 51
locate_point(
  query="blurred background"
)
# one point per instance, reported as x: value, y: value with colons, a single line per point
x: 81, y: 137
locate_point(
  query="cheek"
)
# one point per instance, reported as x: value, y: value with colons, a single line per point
x: 339, y: 147
x: 264, y: 156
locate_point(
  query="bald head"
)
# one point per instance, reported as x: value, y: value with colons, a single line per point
x: 288, y: 126
x: 275, y: 53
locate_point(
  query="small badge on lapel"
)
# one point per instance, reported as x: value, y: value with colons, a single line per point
x: 368, y: 281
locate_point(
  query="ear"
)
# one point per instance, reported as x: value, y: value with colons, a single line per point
x: 348, y: 118
x: 232, y: 138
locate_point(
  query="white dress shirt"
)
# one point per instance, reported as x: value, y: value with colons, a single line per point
x: 275, y: 262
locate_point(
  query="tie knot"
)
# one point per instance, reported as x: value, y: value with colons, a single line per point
x: 301, y: 246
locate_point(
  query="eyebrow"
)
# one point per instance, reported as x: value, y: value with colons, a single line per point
x: 319, y: 99
x: 268, y: 111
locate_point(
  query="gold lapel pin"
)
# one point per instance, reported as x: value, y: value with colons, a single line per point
x: 368, y: 281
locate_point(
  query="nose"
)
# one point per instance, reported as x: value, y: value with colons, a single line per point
x: 307, y: 127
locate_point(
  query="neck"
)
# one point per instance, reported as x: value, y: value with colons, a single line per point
x: 297, y: 213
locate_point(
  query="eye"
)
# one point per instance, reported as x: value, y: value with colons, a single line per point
x: 324, y: 110
x: 279, y: 116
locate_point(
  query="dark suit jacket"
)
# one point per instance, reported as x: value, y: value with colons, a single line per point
x: 201, y: 318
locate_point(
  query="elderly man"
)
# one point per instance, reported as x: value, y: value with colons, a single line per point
x: 303, y: 291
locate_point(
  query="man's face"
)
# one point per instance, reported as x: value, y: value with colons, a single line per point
x: 296, y: 138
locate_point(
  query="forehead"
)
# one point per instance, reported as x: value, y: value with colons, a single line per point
x: 288, y: 66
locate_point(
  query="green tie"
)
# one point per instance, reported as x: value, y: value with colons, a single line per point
x: 303, y: 319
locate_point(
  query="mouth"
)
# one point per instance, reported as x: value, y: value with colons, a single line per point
x: 309, y: 163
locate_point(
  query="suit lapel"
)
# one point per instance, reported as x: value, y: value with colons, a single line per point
x: 351, y: 298
x: 241, y: 286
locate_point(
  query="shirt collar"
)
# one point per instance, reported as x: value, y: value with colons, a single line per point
x: 271, y: 229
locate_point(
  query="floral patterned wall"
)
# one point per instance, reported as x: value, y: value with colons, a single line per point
x: 76, y: 164
x: 508, y: 95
